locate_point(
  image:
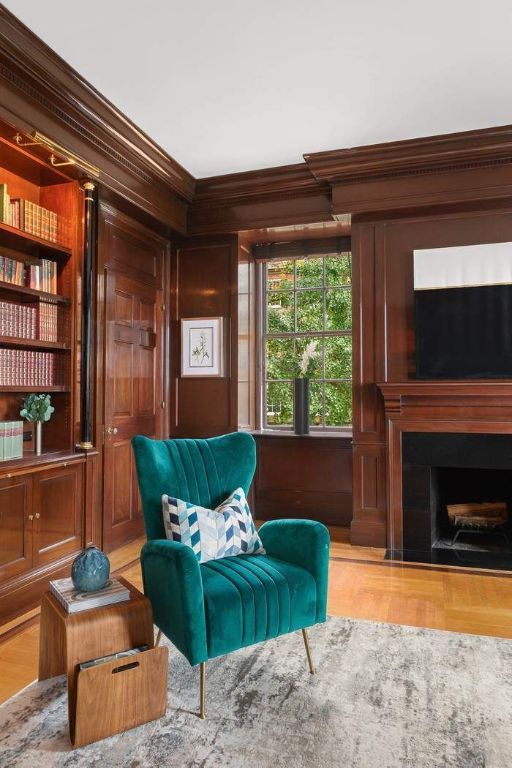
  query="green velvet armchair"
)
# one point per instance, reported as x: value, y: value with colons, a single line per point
x: 213, y: 608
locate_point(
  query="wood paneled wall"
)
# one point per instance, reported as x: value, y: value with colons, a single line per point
x: 204, y: 283
x: 384, y: 340
x: 304, y: 477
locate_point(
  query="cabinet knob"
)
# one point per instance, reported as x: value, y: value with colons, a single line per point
x: 111, y: 430
x: 37, y: 515
x: 31, y: 517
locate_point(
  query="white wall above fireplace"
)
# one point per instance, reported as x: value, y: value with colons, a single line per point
x: 463, y: 266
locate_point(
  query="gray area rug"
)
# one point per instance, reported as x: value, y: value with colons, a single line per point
x: 384, y: 696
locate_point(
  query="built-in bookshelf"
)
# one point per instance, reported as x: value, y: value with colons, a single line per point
x: 40, y: 245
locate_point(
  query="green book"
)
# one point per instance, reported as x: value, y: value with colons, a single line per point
x: 7, y: 440
x: 5, y: 203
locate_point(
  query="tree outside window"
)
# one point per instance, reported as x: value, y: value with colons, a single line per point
x: 307, y: 299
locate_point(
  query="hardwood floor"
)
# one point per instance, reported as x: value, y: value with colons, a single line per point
x: 362, y: 585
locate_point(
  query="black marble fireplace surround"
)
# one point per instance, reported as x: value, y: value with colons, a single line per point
x: 454, y: 468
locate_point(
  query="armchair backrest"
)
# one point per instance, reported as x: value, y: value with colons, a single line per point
x: 202, y: 472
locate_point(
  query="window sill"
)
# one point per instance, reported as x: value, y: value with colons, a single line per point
x: 345, y: 434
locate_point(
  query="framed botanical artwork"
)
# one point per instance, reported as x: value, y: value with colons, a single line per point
x: 202, y: 346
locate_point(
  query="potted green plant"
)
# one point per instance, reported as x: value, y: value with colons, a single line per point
x: 301, y: 388
x: 37, y: 408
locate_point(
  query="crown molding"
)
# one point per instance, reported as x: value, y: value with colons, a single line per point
x: 30, y: 66
x: 285, y: 180
x: 279, y: 196
x: 433, y: 154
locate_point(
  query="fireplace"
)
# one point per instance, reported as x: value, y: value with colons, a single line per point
x: 442, y: 469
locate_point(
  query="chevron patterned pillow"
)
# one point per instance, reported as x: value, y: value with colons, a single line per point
x: 213, y: 533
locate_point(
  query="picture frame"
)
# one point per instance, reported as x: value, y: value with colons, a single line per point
x: 202, y: 347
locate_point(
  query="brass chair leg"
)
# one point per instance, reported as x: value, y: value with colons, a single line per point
x: 202, y: 679
x: 158, y: 637
x: 308, y: 651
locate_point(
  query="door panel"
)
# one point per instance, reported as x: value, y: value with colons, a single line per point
x: 15, y: 526
x: 133, y: 369
x: 121, y: 491
x: 124, y: 308
x: 57, y: 511
x: 123, y: 381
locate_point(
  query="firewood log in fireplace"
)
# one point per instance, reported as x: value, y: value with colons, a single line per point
x: 482, y: 515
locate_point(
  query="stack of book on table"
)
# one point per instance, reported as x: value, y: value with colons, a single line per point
x: 74, y: 601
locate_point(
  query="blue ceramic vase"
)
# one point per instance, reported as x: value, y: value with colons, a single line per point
x: 90, y: 570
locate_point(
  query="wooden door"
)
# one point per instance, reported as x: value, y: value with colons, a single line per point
x: 132, y: 398
x: 57, y: 509
x: 16, y: 519
x: 132, y: 368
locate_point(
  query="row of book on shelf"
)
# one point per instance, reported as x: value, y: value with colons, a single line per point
x: 29, y: 217
x: 27, y: 368
x: 40, y: 275
x: 11, y: 440
x: 37, y: 321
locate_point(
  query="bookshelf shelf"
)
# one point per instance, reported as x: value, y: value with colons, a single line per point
x: 30, y: 294
x: 42, y: 388
x: 13, y: 341
x: 30, y: 459
x: 38, y: 199
x: 12, y: 237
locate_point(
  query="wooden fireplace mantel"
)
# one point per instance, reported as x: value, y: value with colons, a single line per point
x: 483, y: 406
x: 465, y: 401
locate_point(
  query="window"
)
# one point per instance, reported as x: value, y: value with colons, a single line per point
x: 304, y: 300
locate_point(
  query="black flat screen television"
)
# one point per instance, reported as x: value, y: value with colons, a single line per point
x: 463, y: 313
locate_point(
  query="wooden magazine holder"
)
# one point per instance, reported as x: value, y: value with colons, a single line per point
x: 114, y: 696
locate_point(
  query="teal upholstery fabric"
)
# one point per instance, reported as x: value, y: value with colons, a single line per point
x: 304, y: 543
x: 203, y: 472
x: 219, y: 606
x: 173, y: 583
x: 251, y: 598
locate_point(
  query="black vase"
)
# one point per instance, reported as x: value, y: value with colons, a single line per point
x: 301, y: 406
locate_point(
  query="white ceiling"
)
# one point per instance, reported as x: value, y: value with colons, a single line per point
x: 232, y: 85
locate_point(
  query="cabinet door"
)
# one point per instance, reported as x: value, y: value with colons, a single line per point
x: 15, y: 526
x: 58, y: 501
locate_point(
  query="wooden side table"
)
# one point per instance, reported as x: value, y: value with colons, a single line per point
x: 113, y: 696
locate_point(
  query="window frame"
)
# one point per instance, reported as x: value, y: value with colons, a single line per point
x: 263, y: 336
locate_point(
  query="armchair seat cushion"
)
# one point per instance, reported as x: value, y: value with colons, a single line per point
x: 251, y: 598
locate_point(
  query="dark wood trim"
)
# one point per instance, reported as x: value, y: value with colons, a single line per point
x: 286, y: 180
x: 469, y: 168
x: 30, y: 461
x: 300, y: 248
x: 432, y: 154
x: 270, y: 197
